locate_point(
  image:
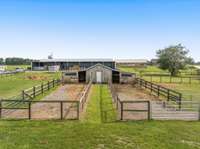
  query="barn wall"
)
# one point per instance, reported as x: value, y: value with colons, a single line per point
x: 106, y: 74
x: 127, y: 78
x: 67, y: 77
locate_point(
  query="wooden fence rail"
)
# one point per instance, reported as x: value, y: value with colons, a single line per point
x: 159, y: 90
x: 122, y: 109
x: 171, y: 79
x: 31, y: 93
x: 30, y: 102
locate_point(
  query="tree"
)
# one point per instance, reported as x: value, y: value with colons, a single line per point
x: 17, y: 61
x: 1, y: 61
x: 173, y: 58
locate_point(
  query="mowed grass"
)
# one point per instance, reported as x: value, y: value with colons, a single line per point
x: 13, y: 67
x: 13, y: 85
x: 189, y: 91
x: 100, y: 108
x: 98, y: 132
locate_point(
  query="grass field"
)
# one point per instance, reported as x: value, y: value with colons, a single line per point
x: 13, y: 85
x: 96, y: 132
x: 13, y: 67
x: 189, y: 90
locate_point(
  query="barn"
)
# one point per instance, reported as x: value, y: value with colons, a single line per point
x: 98, y: 73
x: 69, y: 64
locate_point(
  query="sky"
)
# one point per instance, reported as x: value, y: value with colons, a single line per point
x: 97, y: 29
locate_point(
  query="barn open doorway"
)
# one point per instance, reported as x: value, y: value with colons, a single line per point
x: 82, y: 76
x: 115, y: 77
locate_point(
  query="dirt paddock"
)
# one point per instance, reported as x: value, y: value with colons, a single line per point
x: 52, y: 110
x: 132, y: 93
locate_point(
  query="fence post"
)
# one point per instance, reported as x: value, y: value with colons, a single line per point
x: 199, y: 111
x: 180, y: 98
x: 117, y: 101
x: 158, y: 91
x: 121, y: 110
x: 34, y: 91
x: 53, y: 82
x: 149, y: 110
x: 61, y: 110
x: 29, y: 110
x: 0, y: 109
x: 168, y: 95
x: 78, y: 110
x: 48, y: 85
x: 151, y: 87
x: 23, y: 95
x: 42, y: 88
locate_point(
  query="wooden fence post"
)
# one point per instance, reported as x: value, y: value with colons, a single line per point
x: 121, y: 110
x: 77, y: 110
x: 42, y: 88
x: 48, y: 85
x: 34, y: 91
x: 149, y: 110
x: 0, y: 109
x: 61, y: 110
x: 53, y: 82
x: 158, y: 91
x: 199, y: 111
x: 180, y: 99
x: 29, y: 110
x: 23, y: 95
x: 168, y: 93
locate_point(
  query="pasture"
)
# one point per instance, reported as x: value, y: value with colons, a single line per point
x: 13, y: 85
x: 189, y: 86
x: 98, y: 130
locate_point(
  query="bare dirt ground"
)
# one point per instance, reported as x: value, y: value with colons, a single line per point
x: 132, y: 93
x: 52, y: 110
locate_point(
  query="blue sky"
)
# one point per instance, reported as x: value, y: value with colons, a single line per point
x: 97, y: 29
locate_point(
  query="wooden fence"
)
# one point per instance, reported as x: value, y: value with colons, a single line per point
x: 84, y: 96
x: 9, y: 108
x: 30, y: 103
x: 171, y: 79
x: 159, y: 90
x: 157, y: 110
x: 124, y: 107
x: 31, y: 93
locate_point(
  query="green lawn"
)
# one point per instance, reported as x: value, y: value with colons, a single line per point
x: 13, y: 85
x: 100, y: 108
x: 13, y: 67
x: 97, y: 132
x: 189, y: 91
x: 143, y: 70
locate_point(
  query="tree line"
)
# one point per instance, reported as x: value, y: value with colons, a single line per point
x: 15, y: 61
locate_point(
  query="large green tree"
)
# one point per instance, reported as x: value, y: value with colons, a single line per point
x: 173, y: 58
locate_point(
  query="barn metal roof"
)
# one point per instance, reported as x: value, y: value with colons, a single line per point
x: 75, y: 60
x: 137, y: 61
